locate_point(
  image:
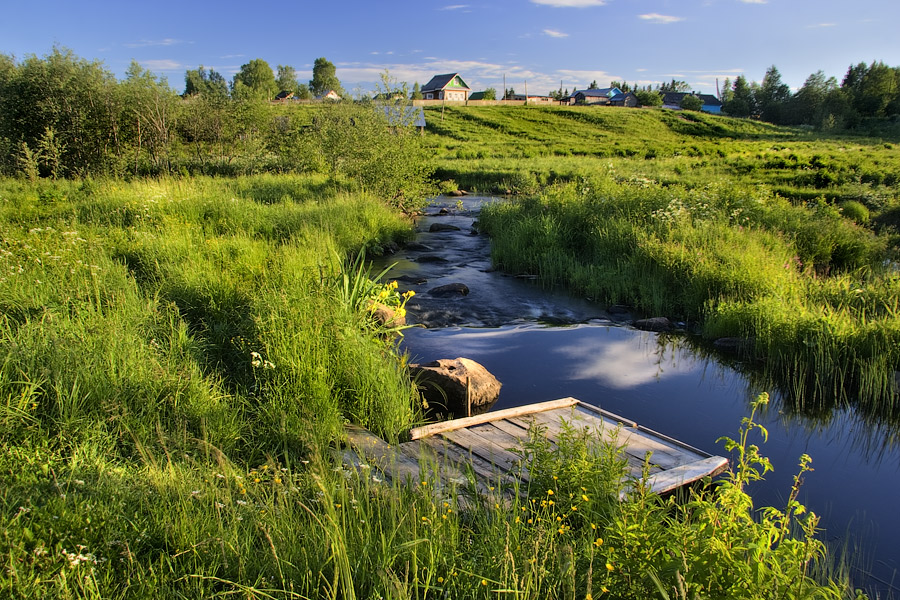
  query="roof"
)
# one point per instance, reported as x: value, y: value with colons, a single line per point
x: 596, y: 93
x: 621, y: 96
x: 439, y: 82
x: 675, y: 98
x: 284, y: 95
x: 405, y: 115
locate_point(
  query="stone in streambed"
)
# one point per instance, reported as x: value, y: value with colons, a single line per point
x: 444, y: 384
x: 654, y: 324
x: 436, y: 227
x: 449, y: 290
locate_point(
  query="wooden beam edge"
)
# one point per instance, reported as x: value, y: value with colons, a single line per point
x: 426, y: 430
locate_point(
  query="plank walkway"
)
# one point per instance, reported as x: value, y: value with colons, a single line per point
x: 484, y: 447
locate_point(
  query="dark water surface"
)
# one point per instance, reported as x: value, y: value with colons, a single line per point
x: 654, y: 379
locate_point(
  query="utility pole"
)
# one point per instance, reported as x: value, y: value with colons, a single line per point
x: 504, y: 86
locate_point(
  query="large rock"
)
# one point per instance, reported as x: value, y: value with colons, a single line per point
x: 385, y: 315
x: 443, y: 384
x: 449, y: 290
x: 654, y: 324
x: 442, y: 227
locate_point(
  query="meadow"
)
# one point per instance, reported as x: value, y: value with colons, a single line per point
x: 783, y: 238
x: 178, y: 358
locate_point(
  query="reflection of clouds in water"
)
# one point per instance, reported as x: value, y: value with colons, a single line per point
x: 469, y: 342
x: 624, y: 363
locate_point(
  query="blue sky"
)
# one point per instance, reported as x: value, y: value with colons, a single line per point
x: 537, y: 43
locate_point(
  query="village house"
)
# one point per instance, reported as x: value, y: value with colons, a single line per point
x: 450, y: 87
x: 592, y: 96
x: 624, y: 99
x: 711, y: 104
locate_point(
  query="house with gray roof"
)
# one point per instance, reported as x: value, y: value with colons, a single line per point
x: 450, y: 87
x: 594, y: 96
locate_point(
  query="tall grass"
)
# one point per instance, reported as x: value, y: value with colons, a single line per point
x: 804, y: 284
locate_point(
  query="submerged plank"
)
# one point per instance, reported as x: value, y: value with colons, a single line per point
x: 685, y: 474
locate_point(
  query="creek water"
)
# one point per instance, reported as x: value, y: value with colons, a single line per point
x: 544, y: 345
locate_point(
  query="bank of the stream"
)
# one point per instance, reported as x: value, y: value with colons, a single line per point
x: 177, y: 359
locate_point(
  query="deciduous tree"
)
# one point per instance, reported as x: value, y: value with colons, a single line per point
x: 324, y: 78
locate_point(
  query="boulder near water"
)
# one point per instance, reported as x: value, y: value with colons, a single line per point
x: 654, y: 324
x: 461, y: 386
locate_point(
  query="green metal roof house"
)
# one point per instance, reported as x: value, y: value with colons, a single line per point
x: 450, y: 87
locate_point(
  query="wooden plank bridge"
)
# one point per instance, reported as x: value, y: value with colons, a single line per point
x: 486, y: 444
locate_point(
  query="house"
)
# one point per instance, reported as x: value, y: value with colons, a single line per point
x: 593, y: 96
x: 284, y: 96
x: 449, y: 87
x: 625, y: 99
x: 533, y: 99
x: 329, y: 95
x: 711, y: 104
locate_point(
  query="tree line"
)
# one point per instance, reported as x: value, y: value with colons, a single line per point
x: 62, y: 116
x: 867, y: 92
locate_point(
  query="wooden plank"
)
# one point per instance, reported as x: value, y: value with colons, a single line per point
x: 634, y: 445
x: 484, y: 447
x: 451, y: 453
x: 434, y: 428
x: 500, y: 437
x: 433, y: 463
x: 605, y: 414
x: 516, y: 431
x: 685, y: 474
x: 388, y: 459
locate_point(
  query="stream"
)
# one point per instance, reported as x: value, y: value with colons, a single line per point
x: 543, y: 345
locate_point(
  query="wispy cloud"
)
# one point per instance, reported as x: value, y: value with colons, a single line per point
x: 755, y: 1
x: 660, y: 19
x: 227, y: 56
x: 148, y: 43
x: 555, y: 34
x: 821, y: 25
x: 454, y: 7
x: 163, y: 64
x: 570, y: 3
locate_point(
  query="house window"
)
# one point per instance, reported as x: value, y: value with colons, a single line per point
x: 429, y: 96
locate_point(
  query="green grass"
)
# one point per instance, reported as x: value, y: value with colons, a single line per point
x: 177, y: 361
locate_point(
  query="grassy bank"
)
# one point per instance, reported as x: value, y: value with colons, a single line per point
x: 177, y: 360
x: 805, y: 285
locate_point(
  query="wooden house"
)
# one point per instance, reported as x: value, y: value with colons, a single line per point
x: 624, y: 99
x: 450, y: 87
x: 711, y: 104
x: 594, y: 96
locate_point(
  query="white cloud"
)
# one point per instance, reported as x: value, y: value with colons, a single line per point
x: 162, y: 65
x: 755, y: 1
x: 454, y: 7
x: 555, y: 34
x: 162, y: 42
x: 570, y: 3
x: 821, y: 25
x: 660, y: 19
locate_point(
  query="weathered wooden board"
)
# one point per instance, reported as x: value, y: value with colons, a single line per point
x: 489, y: 446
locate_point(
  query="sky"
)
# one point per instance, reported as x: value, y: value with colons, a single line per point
x: 538, y: 45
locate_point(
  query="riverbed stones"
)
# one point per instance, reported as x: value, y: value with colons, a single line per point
x: 449, y: 290
x: 431, y: 258
x: 654, y: 324
x: 461, y: 386
x: 437, y: 227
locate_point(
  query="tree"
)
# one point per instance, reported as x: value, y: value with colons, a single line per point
x: 324, y: 78
x: 508, y: 95
x: 255, y: 79
x: 648, y: 98
x: 675, y: 86
x: 727, y: 93
x: 150, y: 110
x: 624, y: 86
x: 742, y: 103
x: 691, y: 102
x: 209, y: 84
x: 490, y: 94
x: 772, y: 96
x: 593, y: 85
x: 417, y: 92
x: 287, y: 79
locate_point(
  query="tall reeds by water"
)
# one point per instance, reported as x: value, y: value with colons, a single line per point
x: 805, y: 286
